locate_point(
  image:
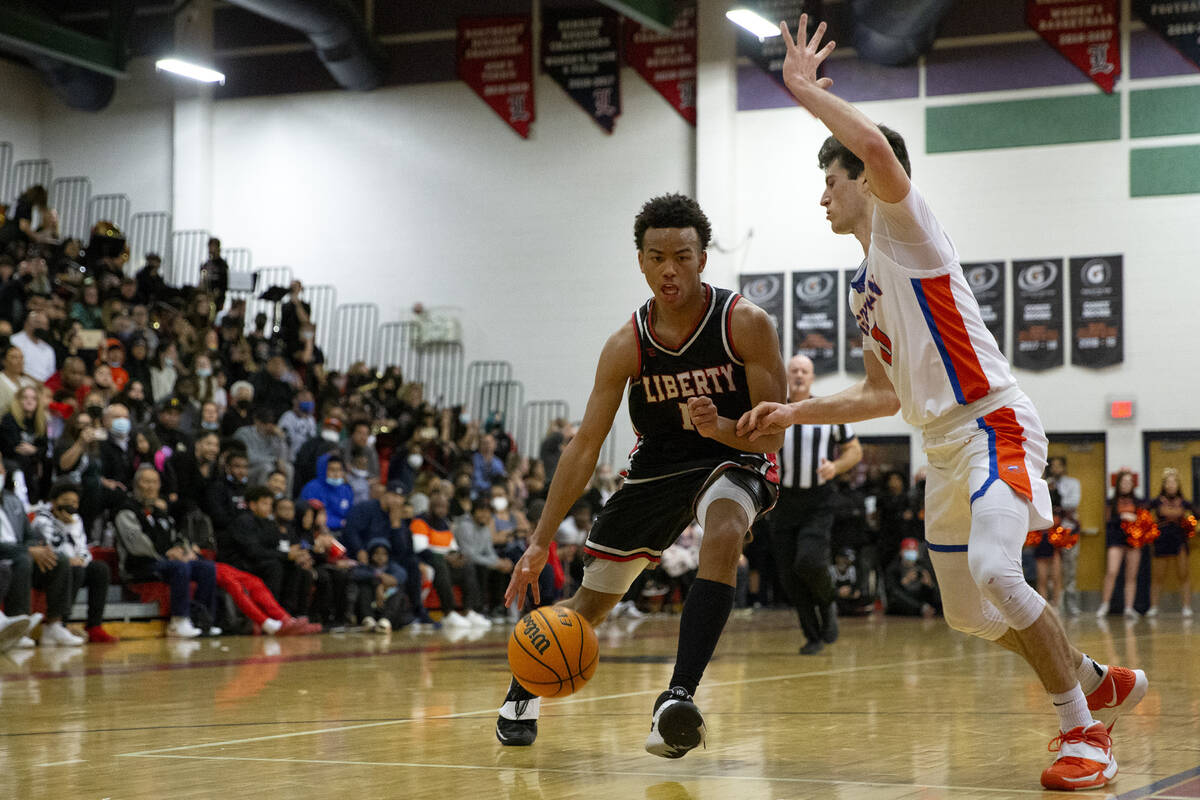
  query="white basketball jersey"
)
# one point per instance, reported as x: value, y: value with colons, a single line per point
x: 920, y: 318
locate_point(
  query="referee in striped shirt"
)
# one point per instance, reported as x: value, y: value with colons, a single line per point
x: 802, y: 521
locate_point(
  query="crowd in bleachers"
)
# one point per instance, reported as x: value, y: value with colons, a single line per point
x: 154, y: 437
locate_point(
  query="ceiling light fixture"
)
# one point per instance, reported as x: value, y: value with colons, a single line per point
x: 190, y: 70
x: 753, y: 22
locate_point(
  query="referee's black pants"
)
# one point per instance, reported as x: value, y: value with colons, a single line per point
x: 801, y: 525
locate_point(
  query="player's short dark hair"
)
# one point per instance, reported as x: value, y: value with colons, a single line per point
x: 63, y: 487
x: 834, y: 151
x: 256, y: 493
x: 671, y: 211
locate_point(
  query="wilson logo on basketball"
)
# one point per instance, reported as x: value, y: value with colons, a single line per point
x: 538, y: 640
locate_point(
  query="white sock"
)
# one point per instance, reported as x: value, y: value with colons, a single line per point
x: 1072, y: 709
x: 1090, y: 674
x: 271, y: 626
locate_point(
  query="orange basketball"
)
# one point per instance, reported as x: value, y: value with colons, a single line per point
x: 553, y: 651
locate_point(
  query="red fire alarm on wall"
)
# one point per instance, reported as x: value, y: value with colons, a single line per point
x: 1120, y: 409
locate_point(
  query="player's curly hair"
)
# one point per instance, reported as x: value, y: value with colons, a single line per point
x: 671, y: 211
x: 833, y: 150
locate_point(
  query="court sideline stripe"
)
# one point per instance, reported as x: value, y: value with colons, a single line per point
x: 1159, y: 785
x: 623, y: 773
x: 569, y: 701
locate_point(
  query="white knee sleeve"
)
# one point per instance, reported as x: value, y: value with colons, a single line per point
x: 998, y: 522
x: 965, y: 609
x: 725, y: 489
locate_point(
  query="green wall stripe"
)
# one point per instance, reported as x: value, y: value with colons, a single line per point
x: 1157, y: 171
x: 1023, y: 123
x: 1163, y: 112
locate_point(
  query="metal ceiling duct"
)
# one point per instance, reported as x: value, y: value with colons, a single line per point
x: 337, y: 32
x: 895, y: 32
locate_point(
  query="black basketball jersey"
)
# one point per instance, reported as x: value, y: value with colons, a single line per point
x: 706, y: 364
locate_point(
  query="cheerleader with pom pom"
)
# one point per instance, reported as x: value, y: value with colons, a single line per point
x: 1176, y: 524
x: 1125, y: 533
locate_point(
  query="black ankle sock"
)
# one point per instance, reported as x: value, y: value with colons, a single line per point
x: 518, y: 692
x: 704, y: 614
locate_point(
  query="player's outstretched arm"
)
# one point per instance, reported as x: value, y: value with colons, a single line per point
x: 871, y: 397
x: 885, y: 176
x: 755, y: 340
x: 618, y: 364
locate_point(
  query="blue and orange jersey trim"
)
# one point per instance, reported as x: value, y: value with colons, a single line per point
x: 949, y: 332
x: 1006, y: 453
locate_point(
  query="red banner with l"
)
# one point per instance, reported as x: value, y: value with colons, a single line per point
x: 1086, y: 32
x: 667, y: 60
x: 495, y: 58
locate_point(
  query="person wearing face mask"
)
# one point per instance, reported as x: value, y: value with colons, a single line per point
x: 362, y: 443
x: 239, y: 414
x: 33, y: 339
x: 327, y: 440
x: 116, y: 452
x: 61, y: 527
x: 299, y: 423
x: 911, y: 588
x: 405, y: 463
x: 331, y: 489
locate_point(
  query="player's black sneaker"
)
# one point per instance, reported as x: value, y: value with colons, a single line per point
x: 829, y: 624
x: 677, y: 725
x: 811, y: 647
x: 516, y: 725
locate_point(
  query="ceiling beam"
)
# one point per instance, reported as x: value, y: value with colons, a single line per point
x: 658, y: 15
x: 26, y: 33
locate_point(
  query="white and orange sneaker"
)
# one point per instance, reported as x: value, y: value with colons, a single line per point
x: 1120, y: 690
x: 1085, y: 759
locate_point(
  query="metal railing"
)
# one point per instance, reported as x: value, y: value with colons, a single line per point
x: 479, y: 373
x: 239, y: 259
x: 322, y: 303
x: 442, y: 373
x: 353, y: 335
x: 267, y: 277
x: 501, y: 401
x: 189, y: 249
x: 396, y: 346
x: 534, y: 423
x: 69, y: 197
x: 149, y: 232
x: 6, y: 157
x: 29, y: 172
x: 113, y: 208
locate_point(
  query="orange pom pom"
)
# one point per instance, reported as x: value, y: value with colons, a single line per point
x: 1142, y: 530
x: 1188, y: 523
x: 1033, y: 538
x: 1063, y: 538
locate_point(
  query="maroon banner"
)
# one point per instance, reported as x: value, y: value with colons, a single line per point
x: 1085, y: 32
x: 495, y: 58
x: 1177, y: 23
x: 667, y: 60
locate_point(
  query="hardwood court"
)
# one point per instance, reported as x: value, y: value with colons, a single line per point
x: 897, y: 709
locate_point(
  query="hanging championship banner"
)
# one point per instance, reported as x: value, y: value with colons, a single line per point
x: 814, y: 319
x: 986, y: 280
x: 667, y: 60
x: 495, y: 58
x: 852, y: 359
x: 1037, y: 314
x: 1177, y: 23
x: 1085, y: 32
x: 579, y: 51
x: 1097, y: 315
x: 767, y: 54
x: 766, y: 292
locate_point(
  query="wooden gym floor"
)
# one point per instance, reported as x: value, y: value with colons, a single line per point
x: 898, y: 708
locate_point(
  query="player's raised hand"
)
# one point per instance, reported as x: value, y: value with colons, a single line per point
x: 525, y: 575
x: 703, y: 413
x: 803, y: 59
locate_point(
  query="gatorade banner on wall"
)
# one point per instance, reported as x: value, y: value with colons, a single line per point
x: 1178, y: 23
x: 667, y: 60
x: 1038, y: 314
x: 986, y: 279
x: 766, y: 292
x: 1085, y: 32
x: 814, y: 318
x: 495, y: 58
x: 852, y: 360
x: 767, y: 54
x: 1097, y: 314
x: 579, y: 51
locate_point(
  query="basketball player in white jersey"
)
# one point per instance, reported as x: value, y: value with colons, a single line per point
x: 929, y: 356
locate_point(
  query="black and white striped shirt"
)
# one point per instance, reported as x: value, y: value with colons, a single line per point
x: 804, y: 446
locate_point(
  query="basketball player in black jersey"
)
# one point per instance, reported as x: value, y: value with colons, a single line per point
x: 695, y: 358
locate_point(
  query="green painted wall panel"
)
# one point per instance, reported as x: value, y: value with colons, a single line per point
x: 1155, y: 171
x: 1022, y: 123
x: 1164, y: 112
